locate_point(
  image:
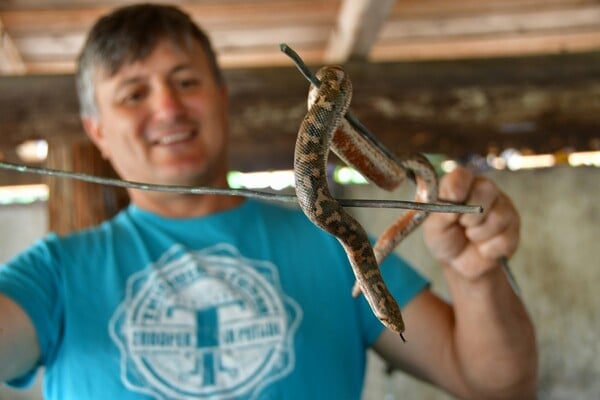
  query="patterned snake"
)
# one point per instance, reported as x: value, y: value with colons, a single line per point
x: 323, y: 128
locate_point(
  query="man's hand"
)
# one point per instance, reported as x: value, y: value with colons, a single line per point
x: 472, y: 244
x: 490, y: 335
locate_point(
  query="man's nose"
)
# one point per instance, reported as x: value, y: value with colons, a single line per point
x: 167, y: 102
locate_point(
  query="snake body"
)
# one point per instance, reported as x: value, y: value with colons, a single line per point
x: 324, y: 128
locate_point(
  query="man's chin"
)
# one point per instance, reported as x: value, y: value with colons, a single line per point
x: 188, y: 178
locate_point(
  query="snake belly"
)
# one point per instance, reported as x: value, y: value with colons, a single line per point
x: 314, y: 139
x: 388, y: 172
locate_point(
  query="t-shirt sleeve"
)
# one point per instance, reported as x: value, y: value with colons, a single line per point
x: 32, y: 280
x: 403, y: 282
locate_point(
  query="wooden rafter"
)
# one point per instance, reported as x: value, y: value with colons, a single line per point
x: 11, y: 62
x: 540, y: 103
x: 243, y: 33
x: 484, y: 47
x: 359, y: 23
x: 246, y: 33
x: 473, y: 31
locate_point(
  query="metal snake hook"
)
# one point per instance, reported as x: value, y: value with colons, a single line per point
x: 354, y: 122
x: 256, y: 194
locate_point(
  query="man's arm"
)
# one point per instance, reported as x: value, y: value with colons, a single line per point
x: 483, y: 344
x: 19, y: 348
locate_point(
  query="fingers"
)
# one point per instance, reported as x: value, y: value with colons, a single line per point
x: 473, y: 242
x: 499, y: 235
x: 495, y: 232
x: 503, y: 244
x: 443, y: 234
x: 483, y: 256
x: 454, y: 187
x: 482, y: 193
x: 495, y: 219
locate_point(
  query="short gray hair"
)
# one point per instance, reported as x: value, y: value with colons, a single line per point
x: 129, y: 34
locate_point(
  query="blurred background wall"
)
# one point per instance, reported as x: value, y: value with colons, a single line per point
x: 557, y: 267
x: 20, y: 226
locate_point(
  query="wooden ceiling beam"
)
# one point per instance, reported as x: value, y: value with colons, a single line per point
x: 25, y: 21
x: 467, y: 29
x: 216, y: 15
x: 11, y: 62
x: 483, y: 47
x: 247, y: 34
x: 357, y: 28
x: 244, y: 33
x: 424, y: 8
x: 451, y: 107
x: 484, y: 23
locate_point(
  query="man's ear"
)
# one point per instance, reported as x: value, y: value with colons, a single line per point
x: 93, y: 128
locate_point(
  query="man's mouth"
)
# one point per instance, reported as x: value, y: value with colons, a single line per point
x: 175, y: 138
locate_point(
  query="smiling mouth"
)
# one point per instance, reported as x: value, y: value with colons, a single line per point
x: 175, y: 138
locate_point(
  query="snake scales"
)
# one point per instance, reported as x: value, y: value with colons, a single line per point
x: 324, y: 128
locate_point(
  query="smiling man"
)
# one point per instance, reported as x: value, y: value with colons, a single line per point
x: 215, y: 297
x: 158, y: 110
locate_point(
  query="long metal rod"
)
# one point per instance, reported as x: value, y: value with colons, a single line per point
x: 509, y: 275
x: 411, y: 205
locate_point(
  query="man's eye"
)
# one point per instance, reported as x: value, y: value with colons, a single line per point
x: 188, y: 83
x: 133, y: 97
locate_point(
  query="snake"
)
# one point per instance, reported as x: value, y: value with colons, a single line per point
x: 324, y: 129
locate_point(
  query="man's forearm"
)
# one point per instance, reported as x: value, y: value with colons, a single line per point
x: 494, y: 336
x: 19, y: 349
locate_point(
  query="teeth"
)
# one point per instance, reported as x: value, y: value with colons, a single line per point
x: 174, y: 138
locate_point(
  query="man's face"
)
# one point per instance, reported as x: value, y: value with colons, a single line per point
x: 163, y: 119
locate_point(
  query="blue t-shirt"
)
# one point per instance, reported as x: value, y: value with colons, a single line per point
x: 251, y: 303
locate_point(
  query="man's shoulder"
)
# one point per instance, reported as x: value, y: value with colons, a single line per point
x: 83, y: 238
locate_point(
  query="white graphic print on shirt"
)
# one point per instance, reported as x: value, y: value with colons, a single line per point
x: 205, y: 324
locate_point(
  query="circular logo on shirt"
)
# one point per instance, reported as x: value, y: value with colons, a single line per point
x: 205, y: 324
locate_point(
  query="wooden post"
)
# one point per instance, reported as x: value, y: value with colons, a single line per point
x: 75, y: 205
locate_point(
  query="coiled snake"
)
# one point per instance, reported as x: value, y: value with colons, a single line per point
x: 324, y: 128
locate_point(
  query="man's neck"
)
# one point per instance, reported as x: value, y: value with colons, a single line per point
x: 173, y: 205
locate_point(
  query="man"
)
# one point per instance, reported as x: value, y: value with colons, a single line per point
x: 191, y: 297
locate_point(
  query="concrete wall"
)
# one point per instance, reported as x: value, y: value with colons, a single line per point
x: 557, y: 267
x: 21, y: 225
